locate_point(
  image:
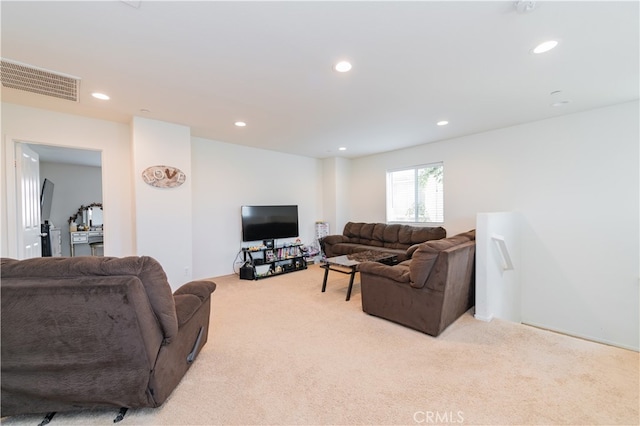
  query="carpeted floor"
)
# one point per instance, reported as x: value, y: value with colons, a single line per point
x: 282, y: 352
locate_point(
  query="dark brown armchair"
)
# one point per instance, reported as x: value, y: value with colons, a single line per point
x: 92, y: 332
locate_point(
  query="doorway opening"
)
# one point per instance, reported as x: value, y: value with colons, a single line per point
x: 76, y: 175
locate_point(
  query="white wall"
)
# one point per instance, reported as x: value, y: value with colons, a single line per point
x: 74, y: 186
x: 33, y: 125
x: 336, y: 178
x: 574, y: 179
x: 227, y: 176
x: 163, y: 215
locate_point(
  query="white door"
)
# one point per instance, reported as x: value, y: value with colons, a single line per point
x: 28, y: 202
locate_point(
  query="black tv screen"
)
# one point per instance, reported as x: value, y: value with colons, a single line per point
x: 269, y: 222
x: 46, y: 198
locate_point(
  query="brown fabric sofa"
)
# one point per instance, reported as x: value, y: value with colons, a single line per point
x: 91, y: 332
x: 401, y: 240
x: 429, y: 291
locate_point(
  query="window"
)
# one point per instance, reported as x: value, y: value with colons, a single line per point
x: 416, y: 194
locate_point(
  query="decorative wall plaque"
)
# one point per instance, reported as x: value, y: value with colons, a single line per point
x: 164, y: 176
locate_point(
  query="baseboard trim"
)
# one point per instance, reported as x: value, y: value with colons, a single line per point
x: 485, y: 318
x: 583, y: 337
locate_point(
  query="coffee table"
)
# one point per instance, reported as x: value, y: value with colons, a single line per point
x: 348, y: 264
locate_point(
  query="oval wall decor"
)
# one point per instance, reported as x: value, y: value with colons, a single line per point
x: 164, y: 176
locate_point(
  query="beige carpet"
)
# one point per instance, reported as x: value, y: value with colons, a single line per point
x: 282, y: 352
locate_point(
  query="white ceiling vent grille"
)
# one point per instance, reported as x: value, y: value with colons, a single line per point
x: 37, y: 80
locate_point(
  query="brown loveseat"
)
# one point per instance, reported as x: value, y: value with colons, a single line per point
x: 91, y: 332
x: 401, y: 240
x: 429, y: 291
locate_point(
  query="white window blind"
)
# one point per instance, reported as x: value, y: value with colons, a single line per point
x: 416, y: 194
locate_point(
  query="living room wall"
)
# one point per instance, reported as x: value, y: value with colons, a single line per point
x: 227, y: 176
x: 575, y: 181
x: 573, y: 178
x: 223, y: 177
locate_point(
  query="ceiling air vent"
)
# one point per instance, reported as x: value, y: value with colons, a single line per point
x: 16, y: 75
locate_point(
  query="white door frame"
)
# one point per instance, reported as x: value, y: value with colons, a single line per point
x: 12, y: 206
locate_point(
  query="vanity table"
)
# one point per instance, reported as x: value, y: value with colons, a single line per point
x: 82, y: 241
x: 88, y: 239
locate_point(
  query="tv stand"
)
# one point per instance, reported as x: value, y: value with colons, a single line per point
x: 268, y: 262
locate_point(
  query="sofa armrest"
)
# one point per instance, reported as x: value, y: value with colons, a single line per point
x: 200, y: 288
x: 398, y: 273
x: 334, y: 239
x: 327, y: 243
x: 412, y: 250
x: 189, y: 297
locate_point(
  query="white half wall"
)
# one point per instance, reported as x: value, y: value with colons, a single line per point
x: 498, y: 265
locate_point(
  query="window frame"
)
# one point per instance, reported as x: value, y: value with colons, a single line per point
x: 390, y: 194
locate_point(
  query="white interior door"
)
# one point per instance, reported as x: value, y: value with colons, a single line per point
x: 28, y: 202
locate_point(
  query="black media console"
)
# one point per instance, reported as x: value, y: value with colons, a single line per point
x: 263, y: 262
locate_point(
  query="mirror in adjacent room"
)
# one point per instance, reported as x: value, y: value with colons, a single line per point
x: 92, y: 216
x: 88, y: 217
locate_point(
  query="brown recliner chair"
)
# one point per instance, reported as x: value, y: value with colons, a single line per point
x: 93, y: 332
x: 429, y: 291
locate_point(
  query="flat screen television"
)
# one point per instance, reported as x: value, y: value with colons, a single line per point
x: 269, y: 222
x: 46, y: 198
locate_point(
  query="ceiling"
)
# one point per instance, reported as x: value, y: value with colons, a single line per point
x: 56, y: 154
x: 208, y: 64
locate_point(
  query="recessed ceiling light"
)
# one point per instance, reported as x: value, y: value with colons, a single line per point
x: 560, y: 103
x: 100, y: 96
x: 545, y: 47
x: 342, y: 148
x: 342, y: 66
x: 442, y: 123
x: 240, y: 123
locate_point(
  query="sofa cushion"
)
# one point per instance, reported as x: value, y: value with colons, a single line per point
x: 398, y: 273
x: 74, y: 342
x: 390, y: 235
